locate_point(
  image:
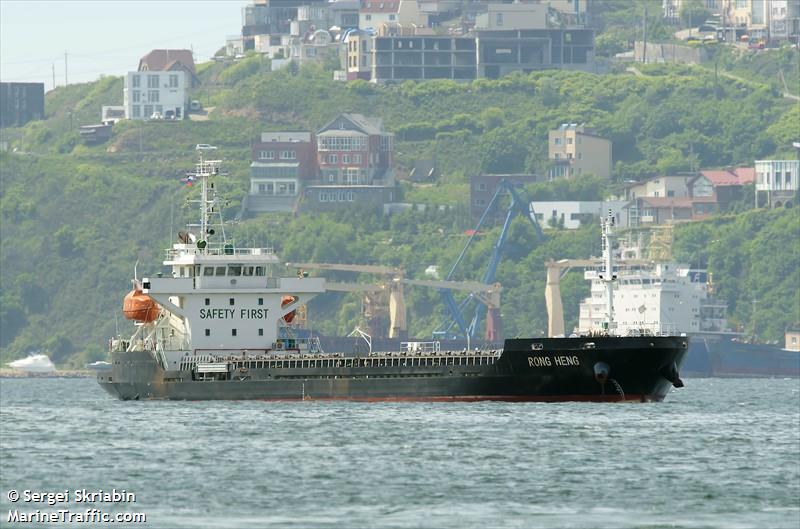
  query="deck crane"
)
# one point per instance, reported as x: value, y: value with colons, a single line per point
x: 520, y: 205
x: 376, y: 301
x: 375, y: 295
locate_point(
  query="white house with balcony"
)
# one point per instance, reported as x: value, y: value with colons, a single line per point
x: 148, y: 94
x: 778, y: 181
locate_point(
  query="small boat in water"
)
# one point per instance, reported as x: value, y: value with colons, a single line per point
x: 35, y: 363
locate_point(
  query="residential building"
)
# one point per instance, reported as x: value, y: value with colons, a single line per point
x: 724, y: 185
x: 793, y: 22
x: 501, y: 16
x: 314, y: 47
x: 571, y: 12
x: 344, y: 13
x: 763, y: 19
x: 482, y: 188
x: 572, y: 214
x: 272, y: 17
x: 672, y: 9
x: 375, y: 13
x: 359, y: 55
x: 438, y: 11
x: 355, y: 159
x: 663, y: 199
x: 575, y: 150
x: 146, y: 93
x: 663, y: 210
x: 169, y: 61
x: 528, y: 37
x: 21, y: 103
x: 282, y: 163
x: 160, y: 85
x: 776, y: 183
x: 400, y: 58
x: 670, y: 186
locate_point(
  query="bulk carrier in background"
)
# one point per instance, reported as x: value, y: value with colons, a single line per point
x: 217, y: 327
x: 680, y: 297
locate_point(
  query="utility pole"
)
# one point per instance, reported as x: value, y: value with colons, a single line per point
x: 66, y: 79
x: 54, y: 75
x: 644, y: 37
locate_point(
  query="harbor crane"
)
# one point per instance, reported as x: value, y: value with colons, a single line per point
x: 520, y: 205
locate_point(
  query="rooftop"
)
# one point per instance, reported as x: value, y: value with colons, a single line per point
x: 267, y: 137
x: 380, y: 6
x: 163, y: 60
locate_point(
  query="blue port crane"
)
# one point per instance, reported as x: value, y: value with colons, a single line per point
x: 520, y: 205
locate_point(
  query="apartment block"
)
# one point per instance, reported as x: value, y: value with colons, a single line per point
x: 400, y: 58
x: 574, y: 150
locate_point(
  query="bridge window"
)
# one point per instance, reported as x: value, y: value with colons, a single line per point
x: 208, y: 271
x: 247, y: 271
x: 220, y: 271
x: 235, y: 270
x: 259, y: 270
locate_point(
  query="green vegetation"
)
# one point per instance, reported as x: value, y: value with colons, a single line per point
x: 752, y: 256
x: 75, y: 218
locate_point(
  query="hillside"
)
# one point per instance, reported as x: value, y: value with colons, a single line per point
x: 75, y: 219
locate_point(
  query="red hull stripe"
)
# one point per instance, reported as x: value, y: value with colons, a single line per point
x: 505, y: 398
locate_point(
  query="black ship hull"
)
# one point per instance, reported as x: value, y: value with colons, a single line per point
x: 736, y: 359
x: 601, y: 369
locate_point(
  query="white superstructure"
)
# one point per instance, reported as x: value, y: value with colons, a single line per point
x: 659, y: 298
x: 218, y: 299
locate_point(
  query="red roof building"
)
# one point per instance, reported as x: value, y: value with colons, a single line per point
x: 168, y: 60
x: 723, y: 185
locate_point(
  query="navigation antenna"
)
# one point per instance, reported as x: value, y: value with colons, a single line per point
x: 607, y: 276
x: 210, y: 200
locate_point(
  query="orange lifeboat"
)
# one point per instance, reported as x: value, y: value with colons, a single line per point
x: 288, y: 300
x: 140, y: 307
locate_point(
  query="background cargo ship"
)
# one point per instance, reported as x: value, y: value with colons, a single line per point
x: 216, y: 327
x: 679, y: 297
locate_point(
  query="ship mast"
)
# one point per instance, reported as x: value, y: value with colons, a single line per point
x: 208, y: 197
x: 607, y: 276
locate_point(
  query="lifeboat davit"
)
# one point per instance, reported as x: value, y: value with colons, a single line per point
x: 140, y: 307
x: 288, y: 300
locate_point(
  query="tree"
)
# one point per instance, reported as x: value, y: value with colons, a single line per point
x: 693, y: 12
x: 502, y: 152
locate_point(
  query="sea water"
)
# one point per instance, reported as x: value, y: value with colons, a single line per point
x: 716, y: 454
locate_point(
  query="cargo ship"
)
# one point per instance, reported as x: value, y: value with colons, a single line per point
x: 217, y: 326
x: 679, y: 297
